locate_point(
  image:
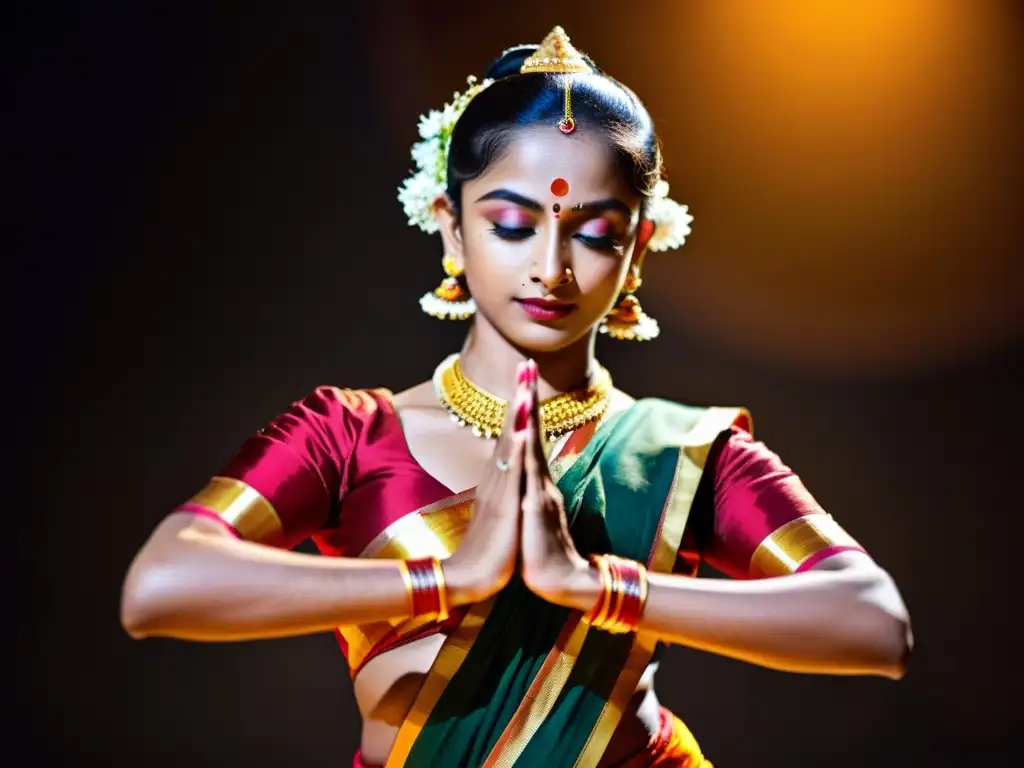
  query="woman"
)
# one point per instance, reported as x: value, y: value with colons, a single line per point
x: 508, y: 543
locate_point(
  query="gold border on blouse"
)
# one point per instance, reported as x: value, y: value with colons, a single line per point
x: 788, y: 546
x: 243, y: 507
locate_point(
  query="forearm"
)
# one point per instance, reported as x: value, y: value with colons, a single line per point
x: 848, y: 622
x: 195, y: 581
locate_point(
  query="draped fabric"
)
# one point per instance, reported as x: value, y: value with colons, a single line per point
x: 524, y: 682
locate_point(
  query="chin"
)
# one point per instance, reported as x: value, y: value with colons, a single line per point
x: 539, y: 337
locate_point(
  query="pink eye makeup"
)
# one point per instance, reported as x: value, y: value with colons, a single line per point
x: 596, y: 228
x: 511, y: 218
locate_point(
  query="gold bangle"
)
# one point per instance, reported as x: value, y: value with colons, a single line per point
x: 619, y: 593
x: 442, y: 591
x: 643, y: 592
x: 604, y: 601
x: 404, y: 570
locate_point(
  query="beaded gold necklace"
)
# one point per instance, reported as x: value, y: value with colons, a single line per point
x: 471, y: 406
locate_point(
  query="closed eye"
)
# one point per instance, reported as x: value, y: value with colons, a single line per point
x: 606, y: 243
x: 602, y: 243
x: 512, y: 233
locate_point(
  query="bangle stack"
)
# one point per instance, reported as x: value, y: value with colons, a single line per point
x: 427, y: 589
x: 623, y: 595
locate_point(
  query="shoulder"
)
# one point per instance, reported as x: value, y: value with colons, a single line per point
x: 699, y: 423
x: 419, y: 396
x: 332, y: 404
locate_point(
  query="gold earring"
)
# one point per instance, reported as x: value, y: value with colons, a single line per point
x: 627, y: 319
x: 449, y: 301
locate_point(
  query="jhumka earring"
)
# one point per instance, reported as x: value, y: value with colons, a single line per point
x: 449, y: 301
x: 627, y: 319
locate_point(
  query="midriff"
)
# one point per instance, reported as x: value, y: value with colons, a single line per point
x: 386, y: 687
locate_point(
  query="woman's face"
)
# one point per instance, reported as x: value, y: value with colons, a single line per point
x: 546, y: 237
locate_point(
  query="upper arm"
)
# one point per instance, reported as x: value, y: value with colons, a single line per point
x: 765, y: 521
x: 285, y: 482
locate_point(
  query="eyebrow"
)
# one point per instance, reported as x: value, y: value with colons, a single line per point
x: 512, y: 197
x: 607, y: 204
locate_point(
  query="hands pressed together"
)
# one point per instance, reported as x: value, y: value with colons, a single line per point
x: 519, y: 519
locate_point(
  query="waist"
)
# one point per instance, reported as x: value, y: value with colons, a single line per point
x: 648, y: 736
x: 387, y: 686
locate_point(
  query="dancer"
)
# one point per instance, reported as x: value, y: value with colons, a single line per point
x: 507, y: 545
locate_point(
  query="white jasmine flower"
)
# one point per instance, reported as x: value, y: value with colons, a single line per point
x: 417, y: 195
x: 430, y: 124
x: 671, y: 223
x: 426, y: 154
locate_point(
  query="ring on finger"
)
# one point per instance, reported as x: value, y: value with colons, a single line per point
x: 502, y: 465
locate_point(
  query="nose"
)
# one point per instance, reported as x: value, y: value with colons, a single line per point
x: 550, y: 270
x: 550, y: 281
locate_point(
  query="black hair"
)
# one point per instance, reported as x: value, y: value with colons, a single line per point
x: 515, y: 101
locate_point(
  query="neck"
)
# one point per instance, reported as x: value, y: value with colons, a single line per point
x: 489, y: 360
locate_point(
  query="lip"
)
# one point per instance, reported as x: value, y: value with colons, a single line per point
x: 546, y: 309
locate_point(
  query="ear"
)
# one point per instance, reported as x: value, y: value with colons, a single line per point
x: 451, y: 233
x: 644, y: 233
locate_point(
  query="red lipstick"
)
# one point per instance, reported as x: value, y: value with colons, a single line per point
x: 546, y: 309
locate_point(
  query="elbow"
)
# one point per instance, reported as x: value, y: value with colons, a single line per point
x: 893, y: 645
x: 888, y: 639
x: 136, y: 607
x: 144, y: 603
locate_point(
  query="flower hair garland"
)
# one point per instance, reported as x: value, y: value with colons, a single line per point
x: 420, y: 190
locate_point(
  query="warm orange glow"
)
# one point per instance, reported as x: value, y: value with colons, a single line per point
x: 843, y: 149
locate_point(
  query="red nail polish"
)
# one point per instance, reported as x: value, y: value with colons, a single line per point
x: 532, y: 367
x: 523, y: 374
x: 522, y: 416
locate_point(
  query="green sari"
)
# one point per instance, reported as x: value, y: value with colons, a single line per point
x: 523, y: 682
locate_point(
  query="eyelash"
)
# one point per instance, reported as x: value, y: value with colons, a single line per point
x: 515, y: 234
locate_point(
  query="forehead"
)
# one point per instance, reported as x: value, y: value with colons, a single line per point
x: 537, y: 156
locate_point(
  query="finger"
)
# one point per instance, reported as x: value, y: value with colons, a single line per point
x: 503, y: 475
x: 505, y: 440
x: 503, y: 447
x: 533, y: 475
x: 537, y: 438
x: 511, y: 490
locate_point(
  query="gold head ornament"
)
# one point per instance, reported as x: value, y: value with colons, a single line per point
x: 556, y: 55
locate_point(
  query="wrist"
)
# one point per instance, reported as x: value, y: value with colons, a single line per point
x: 466, y: 583
x: 583, y: 586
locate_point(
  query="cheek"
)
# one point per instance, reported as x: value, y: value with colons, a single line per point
x: 492, y: 265
x: 599, y: 274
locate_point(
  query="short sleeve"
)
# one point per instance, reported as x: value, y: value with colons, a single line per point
x: 765, y: 522
x: 285, y: 482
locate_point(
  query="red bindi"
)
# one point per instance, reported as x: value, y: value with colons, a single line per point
x: 559, y: 187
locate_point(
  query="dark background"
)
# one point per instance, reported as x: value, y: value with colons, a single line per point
x: 206, y: 228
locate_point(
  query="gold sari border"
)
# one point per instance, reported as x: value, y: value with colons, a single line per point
x: 795, y: 544
x: 447, y: 663
x: 243, y: 507
x: 540, y: 699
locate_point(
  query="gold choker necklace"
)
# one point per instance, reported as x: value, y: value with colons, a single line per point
x: 471, y: 406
